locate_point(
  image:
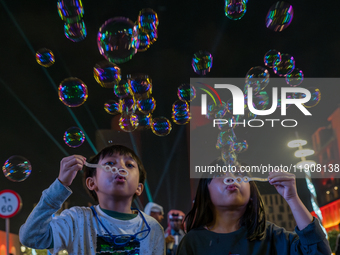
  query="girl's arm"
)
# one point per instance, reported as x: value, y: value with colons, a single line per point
x: 286, y: 186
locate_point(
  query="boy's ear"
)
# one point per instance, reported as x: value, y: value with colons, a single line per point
x: 139, y: 189
x: 90, y: 183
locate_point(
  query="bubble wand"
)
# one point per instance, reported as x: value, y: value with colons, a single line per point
x: 243, y: 179
x: 107, y: 168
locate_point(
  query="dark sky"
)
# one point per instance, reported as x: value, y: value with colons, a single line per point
x: 33, y: 118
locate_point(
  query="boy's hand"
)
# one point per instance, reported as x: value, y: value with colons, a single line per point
x: 284, y: 184
x: 69, y: 166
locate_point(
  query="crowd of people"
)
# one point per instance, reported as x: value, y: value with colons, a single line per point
x: 226, y: 217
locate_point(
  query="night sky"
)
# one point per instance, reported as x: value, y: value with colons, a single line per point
x: 33, y: 119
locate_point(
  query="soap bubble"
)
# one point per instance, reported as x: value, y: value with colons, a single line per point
x: 226, y: 139
x: 144, y: 120
x: 45, y: 57
x: 161, y: 126
x: 229, y: 157
x: 186, y: 92
x: 143, y: 41
x: 181, y: 118
x: 72, y: 92
x: 261, y: 100
x: 284, y: 66
x: 215, y: 111
x: 240, y: 146
x: 111, y: 107
x: 121, y: 89
x: 202, y: 62
x: 140, y: 83
x: 75, y: 31
x: 257, y: 78
x: 117, y: 39
x: 153, y: 36
x: 74, y: 137
x: 180, y: 106
x: 70, y: 10
x: 279, y: 16
x: 107, y: 74
x: 270, y: 57
x: 147, y: 20
x: 295, y: 78
x: 235, y: 9
x: 127, y: 105
x: 147, y: 105
x: 128, y: 122
x: 17, y: 168
x: 315, y: 97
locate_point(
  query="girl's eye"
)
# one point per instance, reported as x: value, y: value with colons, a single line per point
x: 109, y: 163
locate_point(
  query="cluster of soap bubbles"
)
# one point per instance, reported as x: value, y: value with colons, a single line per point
x: 134, y: 102
x: 283, y: 65
x: 45, y: 57
x: 17, y: 168
x: 235, y: 9
x: 72, y: 12
x: 119, y: 38
x: 180, y: 108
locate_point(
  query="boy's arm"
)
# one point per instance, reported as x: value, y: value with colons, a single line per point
x: 36, y: 232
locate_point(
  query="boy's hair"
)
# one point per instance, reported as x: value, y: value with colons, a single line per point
x: 108, y: 151
x: 202, y: 212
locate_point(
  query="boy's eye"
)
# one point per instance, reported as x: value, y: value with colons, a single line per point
x: 109, y: 163
x: 130, y: 165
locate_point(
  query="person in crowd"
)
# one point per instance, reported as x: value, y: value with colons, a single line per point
x: 114, y: 177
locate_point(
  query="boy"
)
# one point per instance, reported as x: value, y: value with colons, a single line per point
x: 108, y: 228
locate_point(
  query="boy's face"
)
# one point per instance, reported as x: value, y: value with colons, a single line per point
x: 108, y: 184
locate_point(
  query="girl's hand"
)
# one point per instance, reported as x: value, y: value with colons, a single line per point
x: 284, y: 183
x: 69, y: 167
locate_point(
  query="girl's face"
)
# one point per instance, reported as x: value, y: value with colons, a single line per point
x: 229, y: 196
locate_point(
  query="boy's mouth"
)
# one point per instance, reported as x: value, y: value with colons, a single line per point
x: 120, y: 179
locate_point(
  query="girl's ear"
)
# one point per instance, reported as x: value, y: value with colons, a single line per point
x: 90, y: 183
x: 139, y: 189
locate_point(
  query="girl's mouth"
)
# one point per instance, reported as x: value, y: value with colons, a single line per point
x: 231, y: 187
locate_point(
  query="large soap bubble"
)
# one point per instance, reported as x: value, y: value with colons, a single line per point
x: 161, y: 126
x: 279, y: 16
x: 147, y: 20
x: 285, y: 65
x: 75, y: 31
x: 186, y: 92
x: 117, y: 40
x: 107, y: 74
x: 202, y: 62
x: 17, y: 168
x: 270, y: 57
x: 72, y: 92
x: 74, y: 137
x: 128, y: 122
x: 70, y: 10
x: 235, y: 9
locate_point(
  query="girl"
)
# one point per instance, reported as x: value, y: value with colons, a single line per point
x: 230, y: 219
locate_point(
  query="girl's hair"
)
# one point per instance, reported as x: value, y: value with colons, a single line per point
x: 202, y: 212
x: 109, y: 151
